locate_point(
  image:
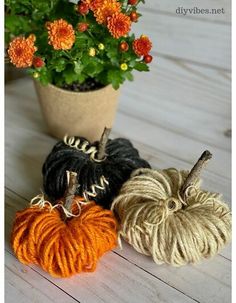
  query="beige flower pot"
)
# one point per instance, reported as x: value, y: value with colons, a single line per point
x: 77, y: 114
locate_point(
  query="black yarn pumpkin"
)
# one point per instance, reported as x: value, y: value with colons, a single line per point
x: 121, y: 159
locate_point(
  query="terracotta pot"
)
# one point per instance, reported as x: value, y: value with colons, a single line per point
x: 77, y: 114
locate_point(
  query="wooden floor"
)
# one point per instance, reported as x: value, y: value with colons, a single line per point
x: 171, y: 114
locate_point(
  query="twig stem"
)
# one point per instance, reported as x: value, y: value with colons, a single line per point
x: 195, y: 171
x: 71, y: 189
x: 102, y: 143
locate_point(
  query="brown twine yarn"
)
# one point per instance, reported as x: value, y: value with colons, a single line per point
x: 165, y: 214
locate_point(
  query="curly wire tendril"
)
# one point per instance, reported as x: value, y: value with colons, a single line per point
x: 157, y: 221
x: 93, y: 193
x: 41, y: 202
x: 84, y: 147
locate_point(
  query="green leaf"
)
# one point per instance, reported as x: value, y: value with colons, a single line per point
x: 41, y: 5
x: 113, y: 55
x: 44, y: 79
x: 115, y: 77
x: 129, y: 76
x: 56, y: 62
x: 42, y: 43
x: 63, y: 9
x: 78, y: 67
x: 141, y: 67
x: 60, y: 65
x: 45, y: 76
x: 17, y: 24
x: 86, y: 59
x: 83, y: 41
x: 81, y: 78
x: 132, y: 63
x: 58, y: 79
x: 69, y: 75
x: 19, y: 6
x: 93, y: 68
x: 102, y: 78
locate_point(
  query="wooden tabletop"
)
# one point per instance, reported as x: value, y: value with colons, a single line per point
x: 172, y: 114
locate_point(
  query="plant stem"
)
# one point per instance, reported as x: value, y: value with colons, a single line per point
x: 68, y: 55
x: 91, y: 35
x: 195, y: 171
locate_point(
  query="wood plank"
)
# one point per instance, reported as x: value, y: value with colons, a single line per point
x: 113, y: 275
x: 99, y: 288
x: 173, y: 144
x: 170, y: 6
x: 203, y: 127
x: 187, y: 85
x: 199, y: 281
x: 187, y: 39
x: 177, y: 109
x: 24, y: 285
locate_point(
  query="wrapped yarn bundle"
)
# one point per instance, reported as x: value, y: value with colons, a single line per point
x: 165, y: 214
x: 64, y: 239
x: 102, y: 167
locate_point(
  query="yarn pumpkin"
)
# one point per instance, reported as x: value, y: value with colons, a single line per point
x: 102, y: 167
x: 165, y: 214
x: 63, y: 243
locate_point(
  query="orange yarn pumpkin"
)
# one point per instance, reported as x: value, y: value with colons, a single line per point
x: 63, y: 247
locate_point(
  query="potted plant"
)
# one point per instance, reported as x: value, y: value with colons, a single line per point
x: 79, y: 55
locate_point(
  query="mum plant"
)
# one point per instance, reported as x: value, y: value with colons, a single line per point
x: 79, y: 46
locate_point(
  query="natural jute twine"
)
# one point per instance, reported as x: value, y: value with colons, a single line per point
x: 174, y: 222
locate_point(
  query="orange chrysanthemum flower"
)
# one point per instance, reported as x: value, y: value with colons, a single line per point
x: 106, y: 10
x: 61, y: 34
x: 21, y: 51
x: 94, y: 4
x: 118, y: 25
x: 142, y: 46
